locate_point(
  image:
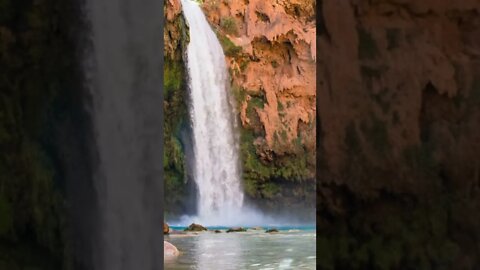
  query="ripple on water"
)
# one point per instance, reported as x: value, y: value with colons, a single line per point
x: 246, y: 251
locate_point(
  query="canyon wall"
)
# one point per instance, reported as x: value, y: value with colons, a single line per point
x: 270, y: 51
x: 46, y: 213
x: 398, y: 134
x: 397, y: 117
x: 270, y: 48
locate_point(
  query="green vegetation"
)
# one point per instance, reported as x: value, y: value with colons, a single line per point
x: 263, y: 179
x: 270, y: 190
x: 280, y: 106
x: 229, y: 48
x: 367, y: 47
x: 401, y: 234
x: 256, y: 102
x: 173, y: 77
x: 260, y: 178
x: 228, y: 25
x: 213, y: 4
x: 176, y: 118
x: 38, y: 82
x: 243, y: 65
x: 239, y: 94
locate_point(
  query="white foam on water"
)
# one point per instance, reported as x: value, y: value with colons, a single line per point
x: 285, y: 263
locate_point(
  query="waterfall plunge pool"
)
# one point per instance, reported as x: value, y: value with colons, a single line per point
x: 293, y: 247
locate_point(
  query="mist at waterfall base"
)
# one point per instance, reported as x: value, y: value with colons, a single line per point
x: 216, y: 162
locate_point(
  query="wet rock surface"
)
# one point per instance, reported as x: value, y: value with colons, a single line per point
x: 195, y: 228
x: 237, y: 229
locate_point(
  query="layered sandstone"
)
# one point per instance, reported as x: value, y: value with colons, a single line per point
x: 278, y: 51
x: 399, y: 74
x: 399, y: 134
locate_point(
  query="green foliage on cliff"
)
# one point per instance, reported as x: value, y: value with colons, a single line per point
x: 175, y: 113
x: 392, y: 231
x: 229, y: 48
x: 37, y: 62
x: 260, y: 177
x: 228, y: 25
x: 173, y: 78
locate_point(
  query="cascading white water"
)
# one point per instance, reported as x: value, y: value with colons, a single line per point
x: 125, y: 86
x: 216, y: 165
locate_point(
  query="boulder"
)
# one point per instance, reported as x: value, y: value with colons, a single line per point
x: 273, y: 230
x: 195, y: 228
x: 169, y: 250
x: 237, y: 229
x: 217, y: 231
x: 166, y: 228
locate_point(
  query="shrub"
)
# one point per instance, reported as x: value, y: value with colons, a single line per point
x: 229, y: 48
x: 228, y: 25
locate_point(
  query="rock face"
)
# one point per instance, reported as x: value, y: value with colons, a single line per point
x: 270, y: 48
x: 398, y: 121
x: 173, y: 32
x: 277, y: 63
x: 270, y: 52
x: 169, y: 251
x: 398, y: 73
x: 399, y: 134
x: 195, y: 228
x: 177, y: 185
x: 166, y: 228
x: 236, y: 229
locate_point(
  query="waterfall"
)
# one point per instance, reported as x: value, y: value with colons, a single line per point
x: 216, y: 165
x: 125, y: 79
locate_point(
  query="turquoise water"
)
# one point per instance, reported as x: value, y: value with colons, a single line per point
x: 293, y: 247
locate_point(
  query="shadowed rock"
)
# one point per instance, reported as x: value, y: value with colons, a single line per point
x: 195, y: 228
x: 273, y: 230
x: 237, y: 229
x: 166, y: 228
